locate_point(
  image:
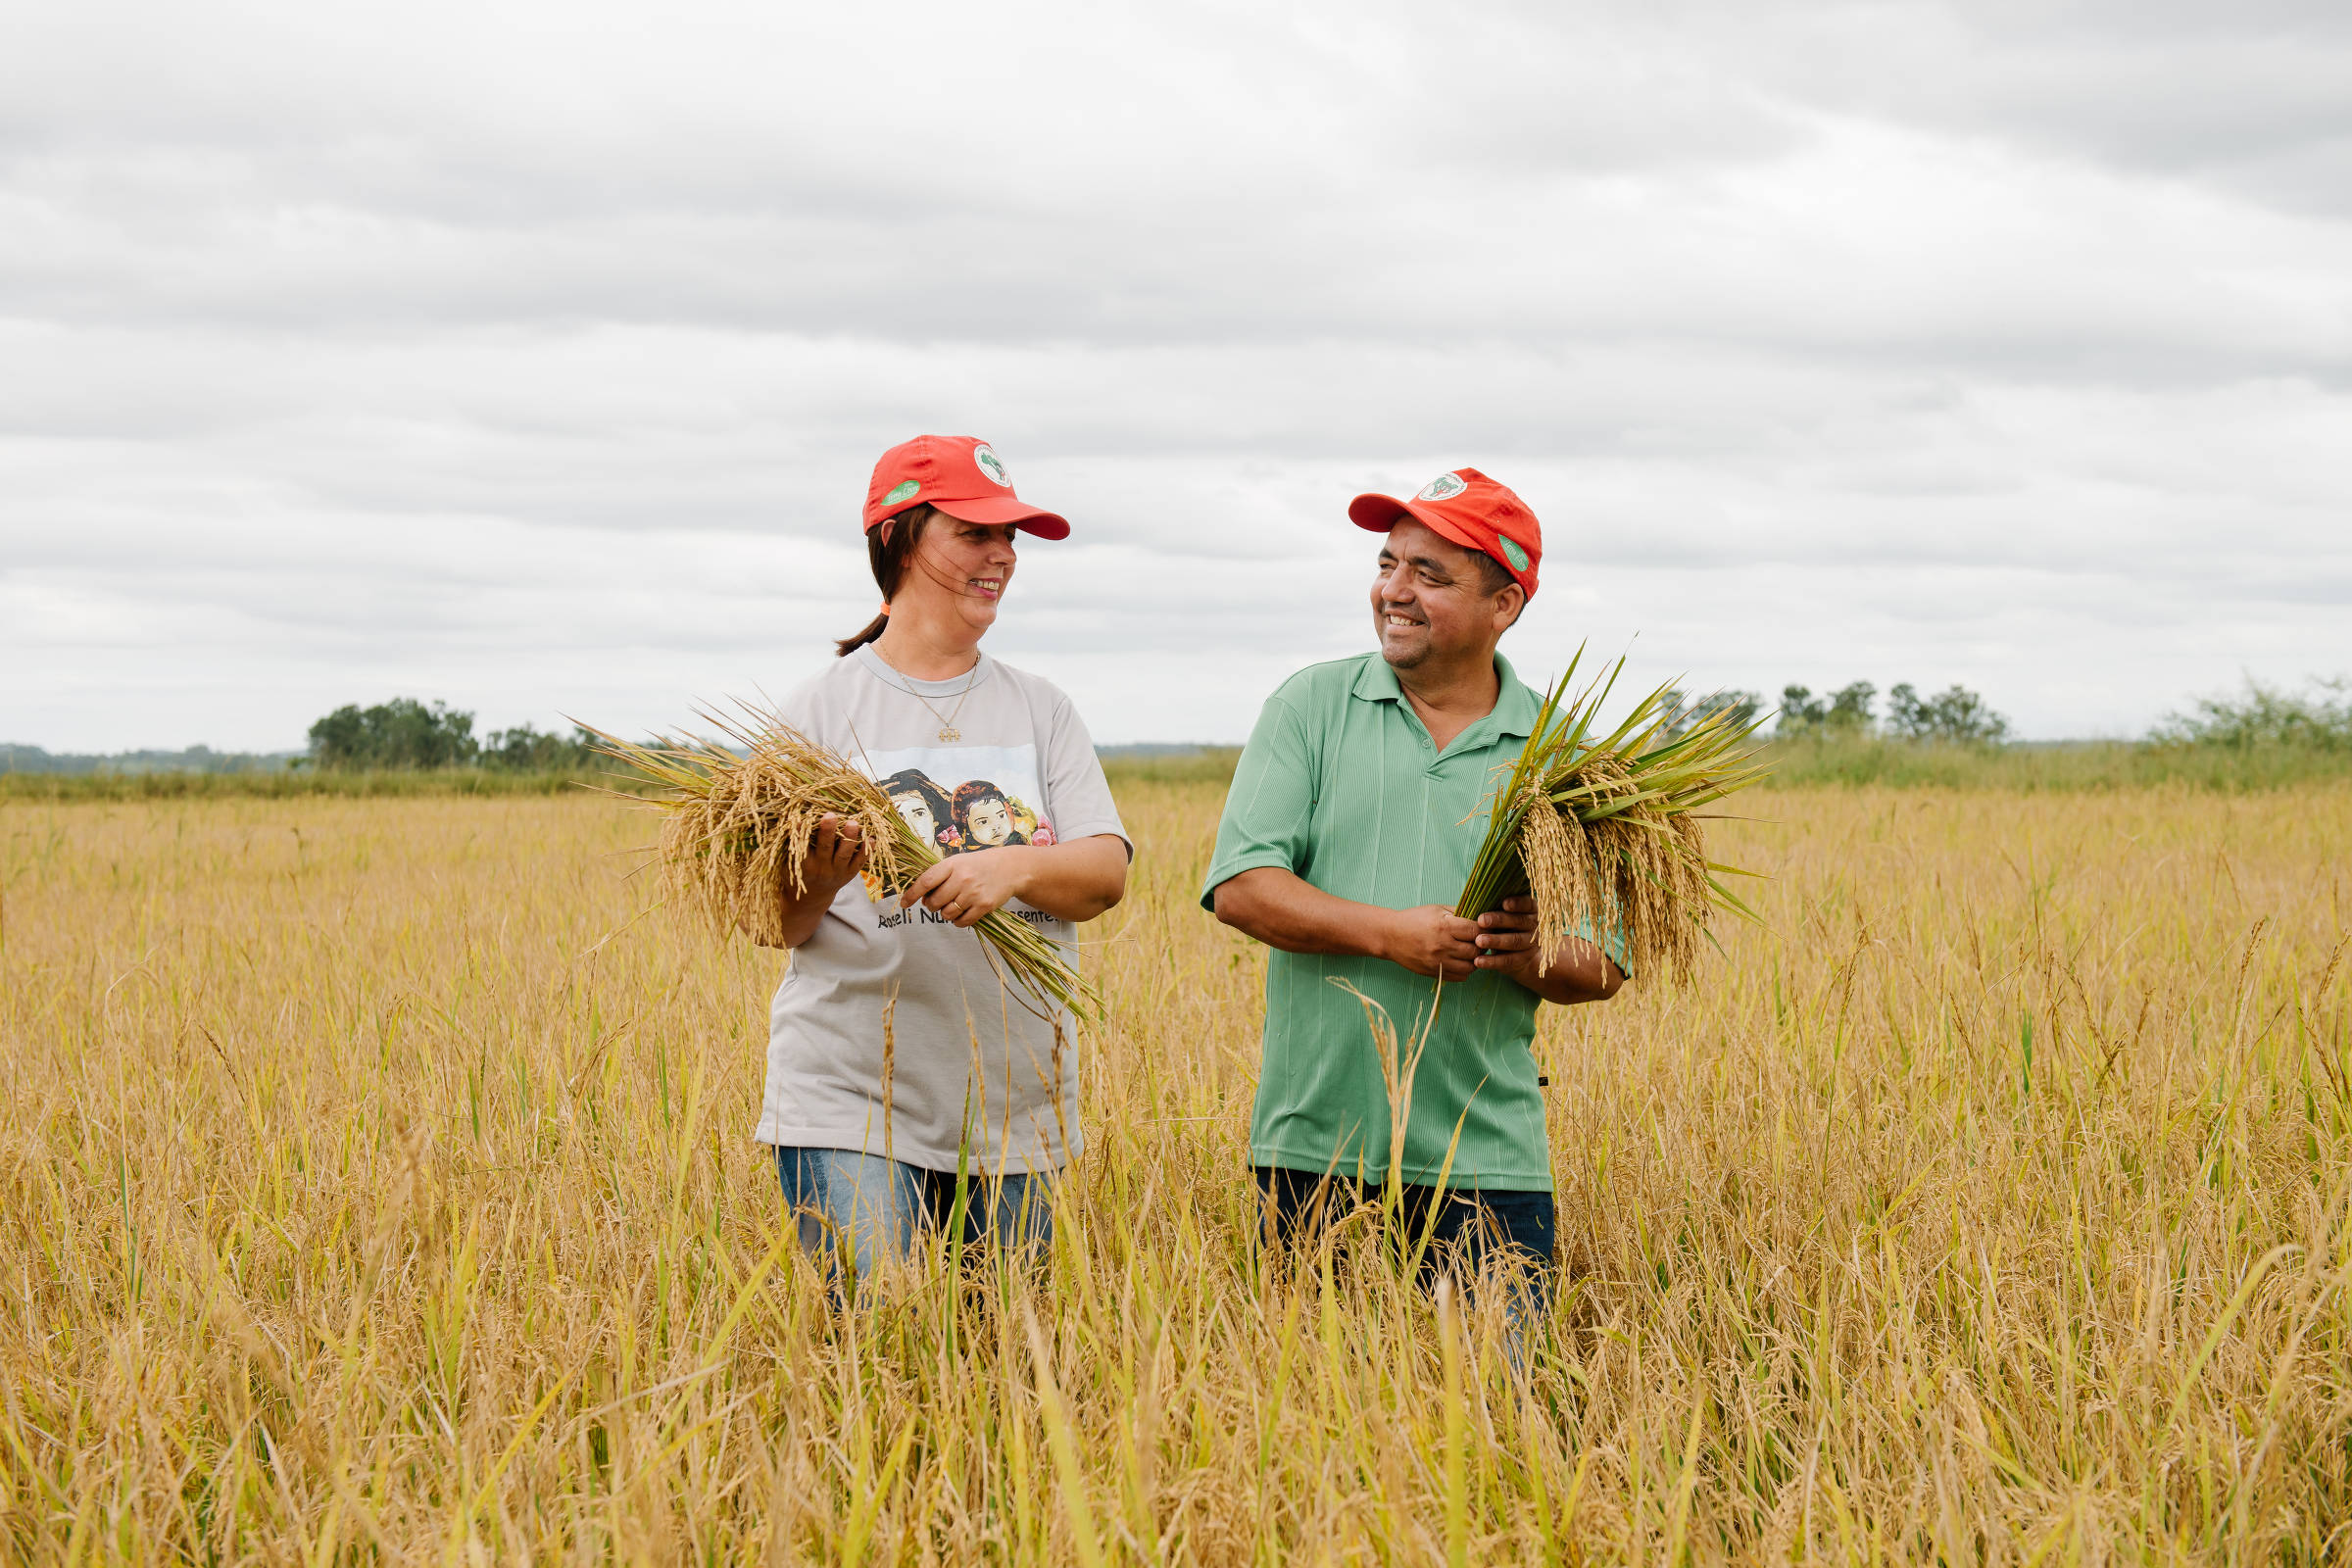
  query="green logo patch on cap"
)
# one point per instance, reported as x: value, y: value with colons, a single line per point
x: 1511, y: 552
x: 904, y: 491
x: 1444, y: 487
x: 988, y: 463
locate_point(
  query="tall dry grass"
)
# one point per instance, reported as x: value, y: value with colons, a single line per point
x: 376, y: 1185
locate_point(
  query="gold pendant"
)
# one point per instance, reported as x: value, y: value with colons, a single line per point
x: 949, y: 732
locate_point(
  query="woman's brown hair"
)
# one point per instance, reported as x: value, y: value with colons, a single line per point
x: 889, y: 547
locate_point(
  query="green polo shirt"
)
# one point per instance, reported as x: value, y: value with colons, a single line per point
x: 1341, y: 785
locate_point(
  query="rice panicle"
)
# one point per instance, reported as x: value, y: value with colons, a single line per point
x: 1604, y: 833
x: 742, y: 810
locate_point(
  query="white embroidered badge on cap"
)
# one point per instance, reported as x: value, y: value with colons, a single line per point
x: 1444, y: 487
x: 993, y: 465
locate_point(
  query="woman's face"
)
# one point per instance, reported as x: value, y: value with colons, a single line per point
x: 960, y: 571
x: 992, y: 821
x: 918, y: 813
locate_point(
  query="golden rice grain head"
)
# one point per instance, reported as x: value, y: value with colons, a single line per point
x: 734, y: 848
x: 1557, y: 855
x: 1658, y: 888
x: 1693, y: 863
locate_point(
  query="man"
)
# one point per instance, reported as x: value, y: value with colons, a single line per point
x: 1354, y: 818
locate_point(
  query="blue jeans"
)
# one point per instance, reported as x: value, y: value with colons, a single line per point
x: 869, y: 1207
x: 1465, y: 1226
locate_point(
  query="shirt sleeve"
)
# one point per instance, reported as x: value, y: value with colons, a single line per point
x: 1270, y: 807
x: 1612, y: 945
x: 1079, y: 795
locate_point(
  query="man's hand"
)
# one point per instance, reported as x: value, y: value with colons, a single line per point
x: 1506, y: 942
x: 1432, y: 940
x: 969, y: 887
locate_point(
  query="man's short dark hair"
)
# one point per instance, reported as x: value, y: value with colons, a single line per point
x: 1493, y: 575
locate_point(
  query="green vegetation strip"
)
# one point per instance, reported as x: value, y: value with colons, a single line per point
x: 2054, y: 767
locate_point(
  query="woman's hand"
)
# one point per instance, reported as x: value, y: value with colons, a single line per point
x: 837, y: 853
x: 969, y: 888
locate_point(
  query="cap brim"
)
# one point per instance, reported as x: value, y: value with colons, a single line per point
x: 1379, y: 514
x: 990, y: 510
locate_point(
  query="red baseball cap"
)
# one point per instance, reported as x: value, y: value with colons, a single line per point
x: 1472, y: 510
x: 960, y: 476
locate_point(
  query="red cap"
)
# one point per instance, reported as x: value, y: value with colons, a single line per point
x: 960, y: 476
x: 1472, y: 510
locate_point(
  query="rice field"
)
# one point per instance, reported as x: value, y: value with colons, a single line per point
x: 376, y: 1185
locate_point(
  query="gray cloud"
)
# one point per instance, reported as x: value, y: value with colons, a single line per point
x: 534, y: 357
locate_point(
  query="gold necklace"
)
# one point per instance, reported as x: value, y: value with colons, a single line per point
x: 948, y: 732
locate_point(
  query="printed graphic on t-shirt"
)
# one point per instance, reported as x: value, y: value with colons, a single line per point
x: 964, y: 797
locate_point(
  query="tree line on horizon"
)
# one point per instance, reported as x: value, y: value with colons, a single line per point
x: 405, y: 733
x: 1954, y: 717
x: 2260, y: 718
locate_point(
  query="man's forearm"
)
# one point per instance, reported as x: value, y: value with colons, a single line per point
x: 1581, y: 973
x: 1284, y: 911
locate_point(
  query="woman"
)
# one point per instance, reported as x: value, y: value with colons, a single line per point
x: 896, y: 1055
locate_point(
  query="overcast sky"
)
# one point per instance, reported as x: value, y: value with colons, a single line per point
x: 534, y: 357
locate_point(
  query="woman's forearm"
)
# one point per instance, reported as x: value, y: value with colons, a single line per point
x: 1075, y: 880
x: 804, y: 911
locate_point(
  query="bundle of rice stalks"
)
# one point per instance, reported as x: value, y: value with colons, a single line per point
x: 738, y: 821
x: 1605, y: 832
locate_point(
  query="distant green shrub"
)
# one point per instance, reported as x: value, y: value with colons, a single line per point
x: 1212, y: 764
x: 2267, y: 717
x: 525, y: 750
x: 405, y: 733
x: 401, y: 733
x: 1956, y: 716
x: 1685, y: 711
x: 305, y: 783
x: 1841, y: 714
x: 2070, y: 765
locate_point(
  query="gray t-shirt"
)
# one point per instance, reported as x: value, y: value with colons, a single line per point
x: 1022, y: 770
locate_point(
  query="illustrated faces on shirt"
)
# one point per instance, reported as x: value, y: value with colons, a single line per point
x: 920, y: 801
x: 991, y: 822
x: 976, y: 815
x: 986, y: 817
x: 918, y: 813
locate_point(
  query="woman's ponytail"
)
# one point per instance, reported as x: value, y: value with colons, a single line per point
x: 888, y: 545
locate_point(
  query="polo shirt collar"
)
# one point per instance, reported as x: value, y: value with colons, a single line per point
x: 1515, y: 707
x: 1376, y: 682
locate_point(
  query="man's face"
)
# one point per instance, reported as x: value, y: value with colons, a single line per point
x: 992, y: 821
x: 1431, y: 600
